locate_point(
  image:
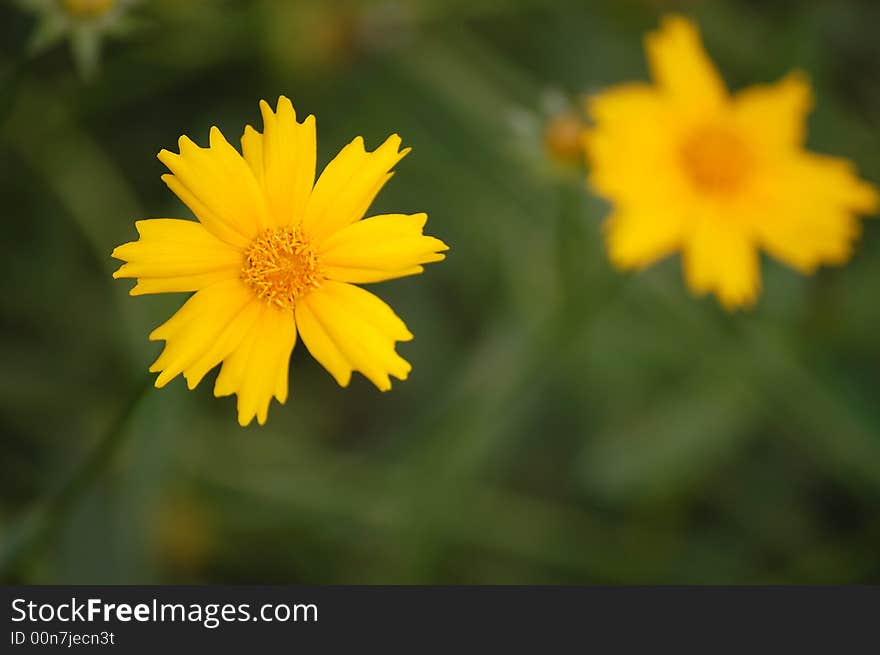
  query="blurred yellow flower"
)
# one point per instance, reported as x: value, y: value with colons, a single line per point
x: 689, y: 167
x: 85, y: 23
x: 87, y: 8
x: 274, y: 253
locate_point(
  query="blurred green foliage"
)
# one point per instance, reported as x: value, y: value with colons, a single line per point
x: 563, y: 423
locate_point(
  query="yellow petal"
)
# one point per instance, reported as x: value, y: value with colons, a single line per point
x: 348, y: 185
x: 258, y: 368
x: 192, y: 332
x: 638, y: 238
x: 631, y: 148
x: 720, y: 257
x: 681, y: 68
x: 252, y: 151
x: 283, y: 160
x: 380, y: 248
x: 227, y: 341
x: 175, y: 255
x: 322, y: 346
x: 774, y: 115
x: 632, y: 157
x: 219, y: 187
x: 349, y: 329
x: 807, y: 213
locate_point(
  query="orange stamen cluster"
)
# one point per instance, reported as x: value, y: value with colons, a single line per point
x: 716, y: 159
x: 281, y: 266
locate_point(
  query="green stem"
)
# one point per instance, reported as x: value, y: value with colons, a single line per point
x: 44, y: 519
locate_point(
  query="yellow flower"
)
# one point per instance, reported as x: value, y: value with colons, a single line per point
x: 87, y: 8
x: 689, y: 167
x: 274, y: 254
x: 85, y: 23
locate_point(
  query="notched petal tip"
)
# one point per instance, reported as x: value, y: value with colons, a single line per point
x: 267, y: 113
x: 677, y: 21
x: 140, y: 289
x: 680, y: 65
x: 142, y: 224
x: 284, y: 110
x: 284, y: 104
x: 185, y: 143
x: 420, y: 219
x: 342, y: 379
x: 675, y: 26
x: 167, y: 157
x: 246, y: 417
x: 117, y: 254
x: 393, y: 144
x: 215, y: 137
x: 799, y: 85
x: 162, y: 379
x: 801, y: 78
x: 165, y: 377
x: 733, y: 304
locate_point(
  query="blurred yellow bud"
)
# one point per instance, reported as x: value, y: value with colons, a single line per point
x: 184, y: 534
x: 563, y: 137
x: 87, y: 8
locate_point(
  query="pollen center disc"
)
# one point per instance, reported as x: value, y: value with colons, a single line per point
x: 716, y: 159
x: 281, y: 266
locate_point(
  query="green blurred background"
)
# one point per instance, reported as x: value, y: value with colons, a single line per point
x: 564, y: 423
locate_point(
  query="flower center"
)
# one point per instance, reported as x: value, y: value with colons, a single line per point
x: 716, y: 159
x: 281, y: 266
x: 87, y: 8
